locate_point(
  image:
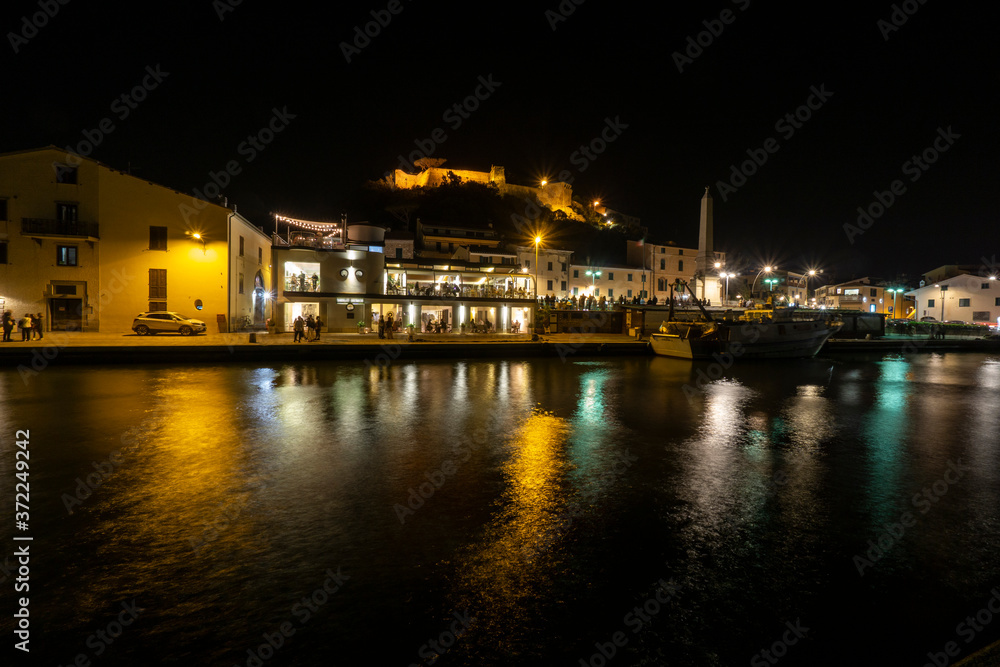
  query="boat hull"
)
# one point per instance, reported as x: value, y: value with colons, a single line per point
x: 750, y: 340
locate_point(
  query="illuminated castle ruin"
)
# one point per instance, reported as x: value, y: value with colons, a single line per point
x: 556, y: 196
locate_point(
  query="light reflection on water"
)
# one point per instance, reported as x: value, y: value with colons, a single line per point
x: 575, y: 485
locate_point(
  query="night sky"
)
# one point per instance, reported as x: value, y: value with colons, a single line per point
x: 558, y: 79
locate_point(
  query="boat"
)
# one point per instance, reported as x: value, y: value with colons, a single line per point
x: 764, y: 333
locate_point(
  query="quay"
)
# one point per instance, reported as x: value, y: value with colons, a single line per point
x: 107, y: 348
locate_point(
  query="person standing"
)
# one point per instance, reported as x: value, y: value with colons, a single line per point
x: 25, y: 326
x: 381, y: 326
x: 388, y: 326
x: 8, y: 326
x: 310, y: 328
x: 319, y: 326
x: 298, y: 326
x: 36, y: 325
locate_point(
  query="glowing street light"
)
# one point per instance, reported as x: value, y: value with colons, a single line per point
x: 538, y: 242
x: 766, y: 269
x: 593, y: 278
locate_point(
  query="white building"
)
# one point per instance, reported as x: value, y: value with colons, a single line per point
x: 963, y: 298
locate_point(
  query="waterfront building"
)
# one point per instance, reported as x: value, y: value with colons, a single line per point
x: 961, y: 298
x: 664, y: 265
x: 90, y: 247
x: 343, y: 275
x: 864, y: 295
x: 553, y: 269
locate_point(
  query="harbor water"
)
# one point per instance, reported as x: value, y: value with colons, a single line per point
x: 594, y: 511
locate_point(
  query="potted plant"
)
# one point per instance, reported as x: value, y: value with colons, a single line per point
x: 361, y: 326
x: 462, y: 327
x: 409, y: 331
x: 272, y: 326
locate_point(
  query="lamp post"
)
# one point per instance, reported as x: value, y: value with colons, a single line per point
x: 809, y: 274
x: 766, y: 269
x: 771, y: 282
x: 593, y: 278
x: 942, y: 301
x: 538, y: 241
x: 727, y: 276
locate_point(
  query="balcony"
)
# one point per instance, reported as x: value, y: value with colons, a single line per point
x: 41, y: 227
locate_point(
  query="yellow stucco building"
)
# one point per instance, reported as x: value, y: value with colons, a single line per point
x: 90, y: 247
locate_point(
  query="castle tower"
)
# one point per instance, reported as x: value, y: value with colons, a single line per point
x: 705, y: 263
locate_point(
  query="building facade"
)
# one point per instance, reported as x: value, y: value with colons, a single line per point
x: 90, y: 247
x: 962, y: 298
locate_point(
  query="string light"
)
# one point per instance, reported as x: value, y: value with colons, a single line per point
x: 325, y: 227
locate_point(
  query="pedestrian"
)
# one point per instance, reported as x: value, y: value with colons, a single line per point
x: 388, y: 326
x: 381, y: 325
x: 310, y: 328
x: 299, y: 326
x: 315, y: 282
x: 25, y: 326
x: 36, y: 324
x: 8, y: 325
x: 319, y: 326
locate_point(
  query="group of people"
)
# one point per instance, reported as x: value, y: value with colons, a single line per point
x: 386, y: 325
x: 307, y: 329
x: 30, y: 326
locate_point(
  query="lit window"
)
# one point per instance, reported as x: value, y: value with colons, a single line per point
x: 963, y: 303
x: 66, y: 255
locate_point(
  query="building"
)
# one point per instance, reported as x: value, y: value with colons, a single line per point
x: 441, y: 240
x: 552, y: 270
x: 862, y: 294
x: 664, y: 265
x: 90, y: 247
x: 961, y: 298
x: 347, y: 280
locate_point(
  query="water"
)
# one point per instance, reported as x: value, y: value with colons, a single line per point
x: 510, y: 512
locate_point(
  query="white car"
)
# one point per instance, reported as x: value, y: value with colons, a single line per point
x: 166, y: 321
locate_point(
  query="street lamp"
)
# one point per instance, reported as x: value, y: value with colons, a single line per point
x: 593, y: 278
x: 727, y: 276
x: 538, y: 241
x: 766, y: 269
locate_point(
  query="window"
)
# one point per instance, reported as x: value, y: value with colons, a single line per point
x: 549, y: 288
x: 157, y: 305
x: 873, y: 292
x: 3, y: 209
x: 630, y: 294
x: 399, y: 253
x: 65, y: 173
x: 660, y: 284
x: 944, y: 288
x: 260, y: 255
x: 662, y: 250
x: 242, y: 244
x: 576, y: 291
x: 983, y: 286
x: 996, y: 302
x: 963, y: 303
x: 157, y: 286
x: 241, y: 283
x: 550, y: 266
x: 628, y: 277
x: 597, y: 291
x: 576, y: 273
x: 66, y: 255
x: 563, y: 286
x: 930, y: 303
x: 3, y: 252
x: 680, y: 252
x: 66, y: 212
x: 663, y: 264
x: 611, y: 275
x: 611, y: 293
x: 680, y: 265
x: 64, y: 290
x: 157, y: 238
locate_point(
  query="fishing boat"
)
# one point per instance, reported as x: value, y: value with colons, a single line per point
x: 765, y: 333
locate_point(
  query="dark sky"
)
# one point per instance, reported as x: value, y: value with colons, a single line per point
x: 555, y: 91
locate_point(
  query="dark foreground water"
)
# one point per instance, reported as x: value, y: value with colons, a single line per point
x: 619, y: 512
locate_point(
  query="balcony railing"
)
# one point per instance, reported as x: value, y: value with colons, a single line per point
x: 45, y: 227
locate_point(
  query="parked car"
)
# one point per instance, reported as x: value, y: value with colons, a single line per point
x: 928, y: 318
x: 166, y: 321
